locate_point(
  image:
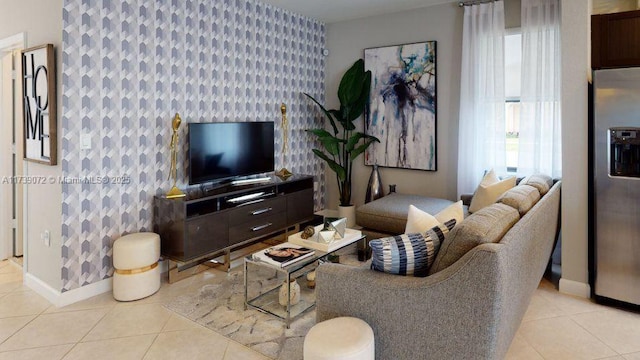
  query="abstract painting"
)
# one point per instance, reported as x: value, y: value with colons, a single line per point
x: 402, y: 106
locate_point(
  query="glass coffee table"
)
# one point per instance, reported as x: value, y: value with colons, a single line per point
x: 267, y: 301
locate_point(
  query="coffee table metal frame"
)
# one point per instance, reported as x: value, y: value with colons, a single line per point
x: 292, y: 271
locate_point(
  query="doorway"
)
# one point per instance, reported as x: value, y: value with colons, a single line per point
x: 11, y: 151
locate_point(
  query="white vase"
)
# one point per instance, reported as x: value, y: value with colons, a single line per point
x: 348, y: 212
x: 294, y: 293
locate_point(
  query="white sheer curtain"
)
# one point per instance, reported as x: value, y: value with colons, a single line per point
x: 482, y: 132
x: 540, y: 138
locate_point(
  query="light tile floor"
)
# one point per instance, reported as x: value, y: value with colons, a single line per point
x: 556, y: 326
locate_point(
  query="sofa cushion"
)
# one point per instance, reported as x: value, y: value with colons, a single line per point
x: 485, y: 226
x: 487, y: 193
x: 389, y: 214
x: 409, y: 254
x: 521, y: 198
x: 453, y: 211
x: 420, y: 221
x: 539, y: 181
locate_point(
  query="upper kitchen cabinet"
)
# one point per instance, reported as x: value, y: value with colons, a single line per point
x: 615, y: 40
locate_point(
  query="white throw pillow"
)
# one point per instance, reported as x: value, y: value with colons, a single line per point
x: 453, y: 211
x: 489, y: 178
x: 419, y: 221
x: 488, y: 194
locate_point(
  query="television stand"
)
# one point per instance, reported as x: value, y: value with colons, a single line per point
x: 200, y: 226
x: 261, y: 180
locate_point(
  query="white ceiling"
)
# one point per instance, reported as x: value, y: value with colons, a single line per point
x: 330, y: 11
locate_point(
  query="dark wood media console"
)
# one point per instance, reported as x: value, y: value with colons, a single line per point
x: 205, y: 224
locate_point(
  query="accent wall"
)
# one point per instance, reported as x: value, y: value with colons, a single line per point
x: 129, y: 66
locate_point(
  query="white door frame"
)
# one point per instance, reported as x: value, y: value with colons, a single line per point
x: 8, y: 45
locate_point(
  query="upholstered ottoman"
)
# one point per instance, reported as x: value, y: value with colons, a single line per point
x: 388, y: 215
x: 135, y: 259
x: 342, y: 338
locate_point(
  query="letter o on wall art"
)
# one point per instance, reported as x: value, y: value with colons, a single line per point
x: 39, y: 104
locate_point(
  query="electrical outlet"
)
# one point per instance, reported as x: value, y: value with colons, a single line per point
x: 46, y: 237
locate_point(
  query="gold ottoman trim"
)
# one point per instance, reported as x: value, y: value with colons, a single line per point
x: 138, y: 270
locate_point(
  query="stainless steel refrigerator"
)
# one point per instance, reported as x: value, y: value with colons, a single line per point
x: 616, y: 183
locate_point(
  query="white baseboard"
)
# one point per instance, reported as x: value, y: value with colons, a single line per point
x: 60, y: 299
x: 575, y: 288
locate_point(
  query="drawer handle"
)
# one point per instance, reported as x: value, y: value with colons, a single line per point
x: 261, y: 211
x: 261, y: 227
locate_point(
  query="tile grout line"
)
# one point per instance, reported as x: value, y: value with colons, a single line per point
x: 94, y: 325
x: 150, y: 346
x: 594, y: 335
x: 528, y: 343
x: 17, y: 331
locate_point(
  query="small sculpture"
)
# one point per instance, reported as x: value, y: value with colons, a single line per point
x: 294, y: 293
x: 284, y: 173
x: 173, y: 171
x: 308, y: 232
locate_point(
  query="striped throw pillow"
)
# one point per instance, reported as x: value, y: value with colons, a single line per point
x: 409, y: 254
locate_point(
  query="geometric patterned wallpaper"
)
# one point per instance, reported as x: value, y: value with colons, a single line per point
x: 128, y: 66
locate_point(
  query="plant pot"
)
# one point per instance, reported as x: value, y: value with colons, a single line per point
x: 348, y: 212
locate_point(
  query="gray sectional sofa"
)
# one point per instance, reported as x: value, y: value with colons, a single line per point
x: 468, y: 307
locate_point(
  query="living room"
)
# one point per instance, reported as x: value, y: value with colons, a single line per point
x: 82, y: 224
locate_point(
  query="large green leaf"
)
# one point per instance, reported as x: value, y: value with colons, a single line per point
x: 351, y: 83
x: 329, y: 142
x: 344, y: 118
x: 355, y: 138
x: 326, y: 112
x: 336, y: 114
x: 360, y: 149
x: 339, y: 170
x: 359, y: 105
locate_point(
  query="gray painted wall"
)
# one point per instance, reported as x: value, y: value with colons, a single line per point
x: 42, y: 23
x: 346, y: 42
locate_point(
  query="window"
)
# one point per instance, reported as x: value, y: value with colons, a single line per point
x: 512, y: 78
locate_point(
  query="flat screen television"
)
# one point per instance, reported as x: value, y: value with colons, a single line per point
x: 220, y: 151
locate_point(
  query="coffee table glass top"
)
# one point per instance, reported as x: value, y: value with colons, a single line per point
x: 268, y: 301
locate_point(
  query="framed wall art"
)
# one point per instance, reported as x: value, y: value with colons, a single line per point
x: 39, y: 104
x: 402, y: 106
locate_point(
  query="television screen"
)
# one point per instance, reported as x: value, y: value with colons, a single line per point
x: 226, y: 150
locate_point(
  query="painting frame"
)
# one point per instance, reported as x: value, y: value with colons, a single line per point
x: 39, y: 117
x: 402, y: 107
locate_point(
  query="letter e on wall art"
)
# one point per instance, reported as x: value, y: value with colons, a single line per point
x: 39, y: 104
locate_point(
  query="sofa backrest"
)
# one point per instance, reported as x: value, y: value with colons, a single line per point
x: 488, y: 225
x: 524, y: 254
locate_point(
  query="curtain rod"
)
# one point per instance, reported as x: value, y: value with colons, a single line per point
x: 474, y: 2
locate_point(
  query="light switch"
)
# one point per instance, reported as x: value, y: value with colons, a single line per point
x: 85, y: 141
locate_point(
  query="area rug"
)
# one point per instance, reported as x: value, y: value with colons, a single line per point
x: 220, y: 307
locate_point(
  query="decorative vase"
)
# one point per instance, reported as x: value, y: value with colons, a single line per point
x: 348, y: 212
x: 374, y: 188
x: 294, y: 293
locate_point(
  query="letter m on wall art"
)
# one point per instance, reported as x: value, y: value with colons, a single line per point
x: 402, y: 106
x: 39, y: 104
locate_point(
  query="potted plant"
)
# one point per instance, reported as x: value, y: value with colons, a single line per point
x: 345, y: 144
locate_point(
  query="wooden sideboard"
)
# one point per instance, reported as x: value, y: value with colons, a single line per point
x: 206, y: 223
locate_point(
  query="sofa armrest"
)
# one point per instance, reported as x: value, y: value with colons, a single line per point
x: 466, y: 199
x: 446, y: 314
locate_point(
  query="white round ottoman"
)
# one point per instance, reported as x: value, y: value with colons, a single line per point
x: 135, y: 259
x: 343, y: 338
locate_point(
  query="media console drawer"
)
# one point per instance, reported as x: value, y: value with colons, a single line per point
x: 207, y: 222
x: 256, y: 228
x: 257, y: 210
